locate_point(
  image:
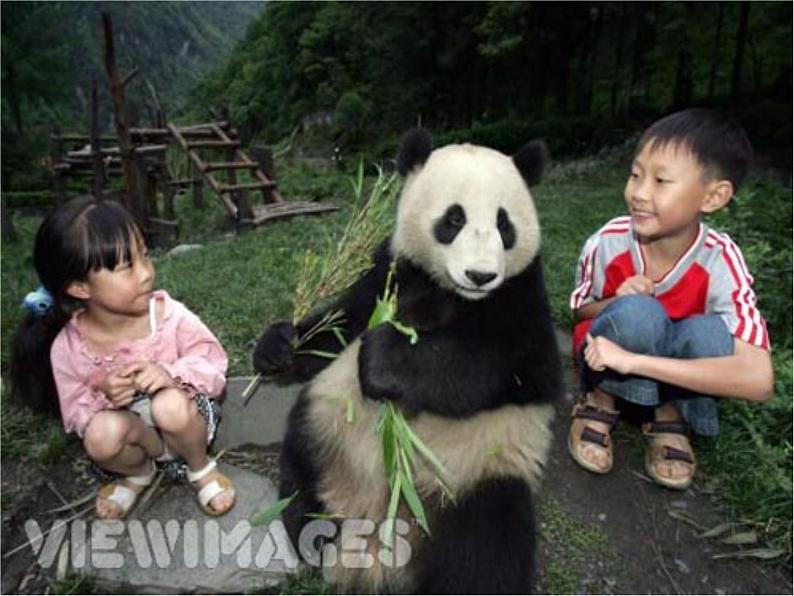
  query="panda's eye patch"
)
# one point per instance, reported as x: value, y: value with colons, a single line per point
x: 449, y: 224
x: 506, y: 229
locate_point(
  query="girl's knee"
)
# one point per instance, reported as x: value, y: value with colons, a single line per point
x: 106, y: 435
x: 173, y: 409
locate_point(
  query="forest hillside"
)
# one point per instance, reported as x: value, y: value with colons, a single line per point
x: 578, y: 73
x: 51, y: 51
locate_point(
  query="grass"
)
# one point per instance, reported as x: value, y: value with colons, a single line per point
x: 569, y: 547
x: 240, y: 284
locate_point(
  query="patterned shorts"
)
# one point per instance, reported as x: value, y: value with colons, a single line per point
x: 175, y: 467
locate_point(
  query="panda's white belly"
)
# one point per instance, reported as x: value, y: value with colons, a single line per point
x: 509, y: 441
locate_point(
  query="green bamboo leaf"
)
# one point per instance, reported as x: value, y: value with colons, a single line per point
x: 391, y: 513
x: 389, y: 445
x: 318, y: 353
x: 350, y: 414
x: 405, y: 330
x: 495, y: 451
x: 414, y: 503
x: 325, y: 516
x: 401, y: 428
x: 407, y: 466
x: 339, y: 336
x: 265, y: 517
x: 358, y: 182
x: 425, y: 451
x: 381, y: 314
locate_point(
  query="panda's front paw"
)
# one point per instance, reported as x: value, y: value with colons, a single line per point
x: 377, y: 372
x: 274, y: 350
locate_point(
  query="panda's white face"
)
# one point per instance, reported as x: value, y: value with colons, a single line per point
x: 468, y: 219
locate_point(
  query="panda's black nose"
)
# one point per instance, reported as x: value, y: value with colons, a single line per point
x: 478, y: 277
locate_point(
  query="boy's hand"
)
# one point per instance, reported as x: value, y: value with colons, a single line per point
x: 601, y: 353
x: 637, y: 284
x: 149, y: 377
x: 119, y: 388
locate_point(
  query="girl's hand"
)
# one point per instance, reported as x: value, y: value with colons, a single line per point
x: 637, y: 284
x: 149, y: 377
x: 601, y: 353
x: 119, y: 388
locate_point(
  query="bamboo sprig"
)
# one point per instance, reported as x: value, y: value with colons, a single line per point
x: 320, y: 278
x: 330, y: 321
x: 399, y: 442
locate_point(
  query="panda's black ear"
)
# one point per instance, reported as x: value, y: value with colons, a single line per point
x: 415, y: 148
x: 530, y: 161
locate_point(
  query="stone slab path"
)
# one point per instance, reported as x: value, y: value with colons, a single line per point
x: 212, y: 555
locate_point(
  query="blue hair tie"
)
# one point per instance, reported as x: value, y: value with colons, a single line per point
x: 39, y: 302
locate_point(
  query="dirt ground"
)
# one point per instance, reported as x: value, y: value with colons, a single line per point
x: 599, y: 534
x: 648, y: 548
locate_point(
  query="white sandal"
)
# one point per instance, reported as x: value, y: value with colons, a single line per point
x: 208, y: 492
x: 123, y: 496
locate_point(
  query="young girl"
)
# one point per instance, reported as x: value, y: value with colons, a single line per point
x: 135, y: 372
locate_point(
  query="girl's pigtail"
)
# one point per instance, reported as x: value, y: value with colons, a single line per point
x: 32, y: 382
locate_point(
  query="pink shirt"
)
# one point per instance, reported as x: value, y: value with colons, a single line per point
x: 181, y: 344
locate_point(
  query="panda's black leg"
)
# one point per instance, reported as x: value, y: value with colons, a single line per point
x: 485, y: 544
x: 298, y: 474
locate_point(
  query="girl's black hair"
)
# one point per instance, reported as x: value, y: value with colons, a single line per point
x: 80, y: 236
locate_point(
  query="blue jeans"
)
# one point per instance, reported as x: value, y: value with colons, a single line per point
x: 639, y: 324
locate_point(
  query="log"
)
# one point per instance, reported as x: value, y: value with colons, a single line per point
x: 132, y: 200
x: 263, y: 213
x: 181, y: 182
x: 213, y: 144
x: 246, y: 186
x: 58, y: 181
x: 229, y: 165
x: 98, y: 165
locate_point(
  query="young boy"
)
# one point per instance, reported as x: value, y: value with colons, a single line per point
x: 666, y: 315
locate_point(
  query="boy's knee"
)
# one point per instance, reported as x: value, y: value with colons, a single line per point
x: 106, y: 435
x: 704, y: 336
x: 172, y: 409
x: 638, y: 323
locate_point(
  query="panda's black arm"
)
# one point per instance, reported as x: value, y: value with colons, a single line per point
x: 440, y: 374
x: 356, y: 305
x: 461, y: 369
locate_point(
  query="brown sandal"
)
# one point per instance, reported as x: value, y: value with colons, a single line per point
x: 659, y: 452
x: 588, y: 411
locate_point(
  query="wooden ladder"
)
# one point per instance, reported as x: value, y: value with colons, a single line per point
x: 232, y: 194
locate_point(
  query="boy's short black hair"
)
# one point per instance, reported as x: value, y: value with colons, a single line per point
x: 717, y: 141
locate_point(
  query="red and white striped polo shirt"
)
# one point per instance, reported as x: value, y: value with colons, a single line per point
x: 711, y: 277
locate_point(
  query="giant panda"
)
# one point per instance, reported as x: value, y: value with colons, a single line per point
x: 478, y: 387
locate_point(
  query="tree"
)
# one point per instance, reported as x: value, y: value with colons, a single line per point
x: 738, y: 57
x: 33, y: 68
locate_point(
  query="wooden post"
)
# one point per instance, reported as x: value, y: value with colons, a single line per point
x: 58, y: 179
x: 168, y: 194
x: 264, y: 158
x: 151, y: 189
x: 133, y: 200
x: 198, y: 186
x: 96, y: 145
x: 240, y: 196
x: 140, y: 172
